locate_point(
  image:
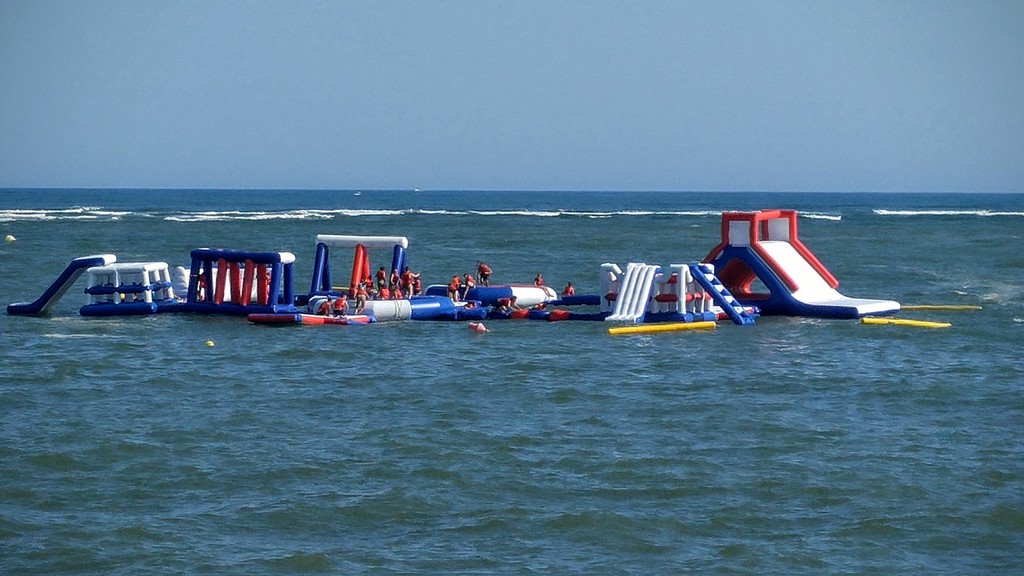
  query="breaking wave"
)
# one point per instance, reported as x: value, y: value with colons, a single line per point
x: 75, y: 213
x: 883, y: 212
x: 102, y: 214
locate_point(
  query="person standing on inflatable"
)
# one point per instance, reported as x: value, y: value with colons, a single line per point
x: 361, y: 297
x: 467, y: 284
x: 483, y: 272
x: 453, y: 288
x: 406, y: 280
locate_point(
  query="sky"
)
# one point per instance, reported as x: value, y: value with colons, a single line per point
x: 887, y: 96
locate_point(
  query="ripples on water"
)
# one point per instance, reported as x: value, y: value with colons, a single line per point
x: 814, y: 446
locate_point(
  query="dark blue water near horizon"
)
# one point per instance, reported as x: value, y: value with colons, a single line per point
x: 128, y: 446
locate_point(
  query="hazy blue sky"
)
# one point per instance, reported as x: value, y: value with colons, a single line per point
x: 717, y: 95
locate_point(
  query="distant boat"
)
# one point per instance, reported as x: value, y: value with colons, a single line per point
x: 357, y: 193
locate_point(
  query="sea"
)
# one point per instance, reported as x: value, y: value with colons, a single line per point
x: 188, y: 444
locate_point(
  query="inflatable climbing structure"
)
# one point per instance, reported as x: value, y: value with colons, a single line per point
x: 682, y: 293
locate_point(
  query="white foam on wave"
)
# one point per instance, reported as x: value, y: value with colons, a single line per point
x: 73, y: 213
x: 543, y: 214
x: 229, y: 215
x: 820, y: 216
x: 58, y: 336
x: 984, y: 213
x: 235, y: 215
x: 97, y: 213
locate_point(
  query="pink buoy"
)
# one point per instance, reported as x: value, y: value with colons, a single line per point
x: 477, y: 327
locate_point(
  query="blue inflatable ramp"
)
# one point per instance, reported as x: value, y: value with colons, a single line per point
x: 60, y: 286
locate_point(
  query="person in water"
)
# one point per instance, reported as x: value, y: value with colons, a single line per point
x: 483, y: 272
x: 569, y: 290
x: 538, y: 280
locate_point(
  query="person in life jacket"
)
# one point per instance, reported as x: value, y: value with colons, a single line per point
x: 538, y: 280
x: 381, y: 277
x: 339, y: 305
x: 483, y: 272
x: 324, y: 308
x: 384, y: 293
x: 361, y: 297
x: 467, y: 284
x: 406, y: 281
x: 395, y: 280
x: 569, y: 290
x: 453, y: 287
x: 504, y: 306
x: 417, y: 286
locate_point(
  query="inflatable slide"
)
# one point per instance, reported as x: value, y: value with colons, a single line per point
x: 763, y: 246
x: 60, y: 286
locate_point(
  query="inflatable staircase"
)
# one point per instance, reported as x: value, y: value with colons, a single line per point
x: 705, y: 276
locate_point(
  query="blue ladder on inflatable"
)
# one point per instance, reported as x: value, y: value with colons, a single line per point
x: 703, y: 275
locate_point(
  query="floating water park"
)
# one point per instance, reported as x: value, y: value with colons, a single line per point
x: 759, y: 267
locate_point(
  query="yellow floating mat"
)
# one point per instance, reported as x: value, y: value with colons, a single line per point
x: 902, y: 322
x: 939, y: 307
x: 649, y: 328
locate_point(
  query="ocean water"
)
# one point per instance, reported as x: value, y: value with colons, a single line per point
x: 807, y: 446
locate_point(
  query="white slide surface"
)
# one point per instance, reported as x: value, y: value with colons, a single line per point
x: 812, y: 288
x: 634, y: 293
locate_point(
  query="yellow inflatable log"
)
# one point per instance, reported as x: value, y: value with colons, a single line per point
x: 650, y: 328
x: 902, y: 322
x: 939, y: 307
